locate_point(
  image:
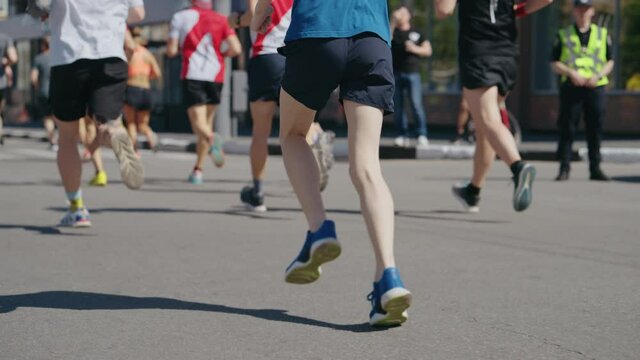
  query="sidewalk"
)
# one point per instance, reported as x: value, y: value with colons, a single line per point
x: 613, y: 151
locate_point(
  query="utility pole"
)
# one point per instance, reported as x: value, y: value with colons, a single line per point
x: 223, y: 125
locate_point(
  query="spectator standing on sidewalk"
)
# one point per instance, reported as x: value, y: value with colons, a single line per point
x: 9, y: 56
x: 409, y: 47
x: 582, y: 56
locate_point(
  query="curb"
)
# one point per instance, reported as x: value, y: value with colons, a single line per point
x: 387, y: 152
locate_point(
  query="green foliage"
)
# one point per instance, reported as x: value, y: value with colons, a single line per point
x: 630, y: 38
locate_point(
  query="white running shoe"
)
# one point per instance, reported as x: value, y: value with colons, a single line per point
x: 402, y: 141
x: 76, y: 219
x: 131, y: 167
x: 423, y: 141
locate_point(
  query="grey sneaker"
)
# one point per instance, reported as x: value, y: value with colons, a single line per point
x: 523, y: 179
x: 323, y: 152
x: 131, y: 167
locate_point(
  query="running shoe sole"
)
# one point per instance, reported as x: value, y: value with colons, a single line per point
x: 522, y: 195
x: 131, y: 168
x: 318, y: 153
x: 395, y: 303
x: 322, y: 252
x: 470, y: 209
x: 76, y: 225
x: 259, y: 208
x: 217, y: 153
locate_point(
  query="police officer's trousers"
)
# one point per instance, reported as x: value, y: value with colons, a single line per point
x: 575, y: 101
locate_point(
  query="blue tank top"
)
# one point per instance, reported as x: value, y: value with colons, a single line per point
x: 338, y: 19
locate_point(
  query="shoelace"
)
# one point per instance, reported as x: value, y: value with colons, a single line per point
x: 371, y: 299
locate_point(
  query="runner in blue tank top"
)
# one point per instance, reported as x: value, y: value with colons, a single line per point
x: 341, y: 43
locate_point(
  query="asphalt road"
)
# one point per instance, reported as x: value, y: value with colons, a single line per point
x: 177, y: 271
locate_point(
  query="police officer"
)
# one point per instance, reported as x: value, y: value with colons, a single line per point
x: 582, y: 56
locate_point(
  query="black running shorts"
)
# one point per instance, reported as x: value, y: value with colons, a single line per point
x: 138, y: 98
x: 196, y: 92
x: 488, y: 71
x: 265, y: 77
x: 360, y: 65
x: 94, y: 87
x: 42, y: 107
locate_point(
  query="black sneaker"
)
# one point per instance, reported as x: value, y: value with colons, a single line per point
x: 523, y: 179
x: 468, y: 200
x: 598, y: 175
x: 563, y: 175
x: 252, y: 200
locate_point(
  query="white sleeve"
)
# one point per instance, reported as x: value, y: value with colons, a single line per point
x: 177, y: 23
x: 136, y: 3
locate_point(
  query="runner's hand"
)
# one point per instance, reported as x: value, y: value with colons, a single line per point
x: 232, y: 20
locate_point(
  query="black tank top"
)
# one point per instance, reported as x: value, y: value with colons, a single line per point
x: 487, y: 28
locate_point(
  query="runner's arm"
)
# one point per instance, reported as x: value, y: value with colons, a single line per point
x: 262, y: 16
x: 235, y: 48
x: 156, y: 73
x: 237, y: 20
x: 11, y: 55
x: 535, y: 5
x: 34, y: 77
x: 136, y: 14
x: 173, y: 42
x: 444, y: 8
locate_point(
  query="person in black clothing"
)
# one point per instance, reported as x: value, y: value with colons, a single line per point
x: 408, y: 46
x: 488, y: 58
x: 582, y: 56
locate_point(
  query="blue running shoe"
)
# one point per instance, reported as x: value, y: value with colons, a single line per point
x: 522, y: 194
x: 389, y: 300
x: 76, y: 219
x: 195, y: 177
x: 320, y: 247
x: 216, y: 151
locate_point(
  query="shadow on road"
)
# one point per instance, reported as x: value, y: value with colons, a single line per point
x: 627, y: 179
x: 238, y: 211
x: 42, y: 230
x: 438, y: 215
x: 31, y: 183
x: 73, y: 300
x: 428, y: 214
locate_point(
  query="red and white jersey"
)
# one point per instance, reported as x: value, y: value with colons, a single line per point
x: 273, y: 38
x: 201, y: 34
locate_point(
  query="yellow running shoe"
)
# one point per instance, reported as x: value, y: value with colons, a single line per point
x: 99, y: 180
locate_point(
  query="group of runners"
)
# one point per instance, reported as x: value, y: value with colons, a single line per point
x: 347, y: 46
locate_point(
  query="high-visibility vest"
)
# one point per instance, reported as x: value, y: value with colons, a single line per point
x: 589, y: 60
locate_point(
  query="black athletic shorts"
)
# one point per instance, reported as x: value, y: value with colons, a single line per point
x: 360, y: 65
x: 487, y: 71
x: 94, y: 87
x: 42, y: 107
x: 196, y: 92
x: 138, y: 98
x: 265, y: 77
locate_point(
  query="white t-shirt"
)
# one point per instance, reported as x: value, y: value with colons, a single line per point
x: 88, y: 29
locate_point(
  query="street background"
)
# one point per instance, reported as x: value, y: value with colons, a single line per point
x: 176, y: 271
